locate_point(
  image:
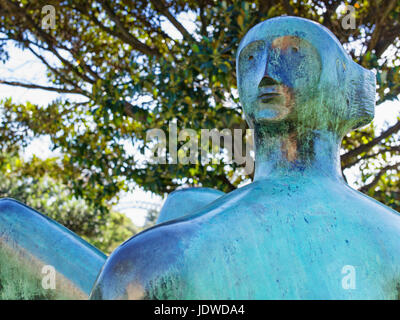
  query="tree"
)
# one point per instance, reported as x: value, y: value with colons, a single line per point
x: 30, y: 184
x: 136, y: 76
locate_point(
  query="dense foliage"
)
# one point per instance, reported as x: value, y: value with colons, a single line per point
x: 135, y: 75
x: 30, y: 184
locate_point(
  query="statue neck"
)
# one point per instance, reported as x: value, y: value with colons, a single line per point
x: 293, y: 154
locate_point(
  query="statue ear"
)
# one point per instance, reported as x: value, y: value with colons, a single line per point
x: 361, y: 96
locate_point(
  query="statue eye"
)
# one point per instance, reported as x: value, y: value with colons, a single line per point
x: 252, y: 51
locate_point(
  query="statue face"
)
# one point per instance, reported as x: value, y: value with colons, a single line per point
x: 275, y: 75
x: 293, y: 68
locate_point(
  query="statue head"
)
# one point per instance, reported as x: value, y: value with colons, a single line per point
x: 293, y: 70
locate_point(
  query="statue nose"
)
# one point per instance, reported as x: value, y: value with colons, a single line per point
x: 267, y: 80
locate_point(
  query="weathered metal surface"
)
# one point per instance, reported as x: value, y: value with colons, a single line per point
x: 28, y: 242
x: 292, y: 232
x: 186, y: 201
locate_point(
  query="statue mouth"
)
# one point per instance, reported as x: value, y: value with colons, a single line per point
x: 268, y: 96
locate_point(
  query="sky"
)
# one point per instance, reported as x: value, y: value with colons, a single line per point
x: 25, y: 67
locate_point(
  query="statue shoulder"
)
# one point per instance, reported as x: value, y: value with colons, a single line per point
x: 187, y: 201
x: 144, y: 267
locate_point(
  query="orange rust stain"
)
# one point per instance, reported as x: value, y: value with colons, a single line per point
x: 286, y: 42
x: 135, y: 291
x: 289, y: 147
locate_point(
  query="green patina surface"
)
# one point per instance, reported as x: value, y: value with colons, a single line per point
x: 20, y: 281
x: 290, y: 233
x: 294, y: 231
x: 29, y: 241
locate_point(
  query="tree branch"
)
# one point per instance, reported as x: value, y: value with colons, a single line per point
x: 393, y: 194
x: 286, y: 5
x: 369, y: 156
x: 374, y: 182
x: 227, y: 183
x: 34, y: 86
x: 161, y: 6
x: 48, y: 39
x: 368, y: 146
x: 380, y: 20
x: 135, y: 112
x: 56, y: 72
x: 124, y: 34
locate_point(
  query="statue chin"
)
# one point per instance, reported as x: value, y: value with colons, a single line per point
x: 267, y: 113
x: 270, y: 114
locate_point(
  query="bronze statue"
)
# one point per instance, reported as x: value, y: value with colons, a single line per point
x: 298, y: 231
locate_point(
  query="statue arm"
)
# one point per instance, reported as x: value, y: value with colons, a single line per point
x: 33, y: 246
